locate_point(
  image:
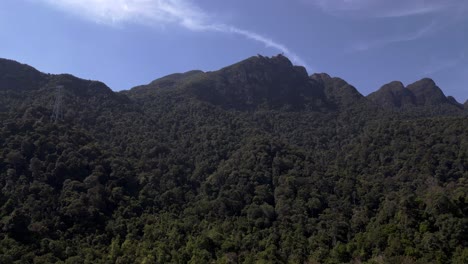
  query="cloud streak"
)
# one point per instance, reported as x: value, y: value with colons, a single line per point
x: 437, y: 65
x: 423, y: 32
x: 161, y: 13
x: 266, y: 41
x: 386, y: 8
x: 443, y: 13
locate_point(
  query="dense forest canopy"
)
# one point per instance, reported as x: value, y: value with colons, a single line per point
x: 255, y: 163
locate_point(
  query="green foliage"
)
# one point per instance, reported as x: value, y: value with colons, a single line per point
x: 160, y: 175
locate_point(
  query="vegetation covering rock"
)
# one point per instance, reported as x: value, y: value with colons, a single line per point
x: 254, y: 163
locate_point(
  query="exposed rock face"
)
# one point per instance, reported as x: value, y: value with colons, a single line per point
x: 259, y: 82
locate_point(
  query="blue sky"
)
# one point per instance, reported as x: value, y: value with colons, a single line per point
x: 125, y: 43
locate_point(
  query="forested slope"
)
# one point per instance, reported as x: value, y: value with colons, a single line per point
x: 254, y: 163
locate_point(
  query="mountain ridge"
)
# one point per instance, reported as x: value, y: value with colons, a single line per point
x: 424, y: 92
x: 256, y: 82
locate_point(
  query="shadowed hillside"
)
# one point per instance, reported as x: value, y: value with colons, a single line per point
x: 254, y: 163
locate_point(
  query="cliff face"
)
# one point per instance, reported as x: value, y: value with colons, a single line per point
x: 259, y: 82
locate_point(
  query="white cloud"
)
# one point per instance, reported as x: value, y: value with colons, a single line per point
x: 114, y: 12
x: 267, y: 42
x: 160, y: 13
x: 387, y: 8
x: 443, y: 13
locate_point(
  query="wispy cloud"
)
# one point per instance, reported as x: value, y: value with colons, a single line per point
x: 437, y: 65
x: 422, y: 32
x: 161, y: 13
x: 386, y: 8
x: 443, y: 13
x: 151, y: 12
x: 266, y: 41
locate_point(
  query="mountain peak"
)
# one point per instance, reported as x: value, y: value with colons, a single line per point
x: 259, y: 68
x: 426, y: 92
x: 426, y: 81
x: 258, y: 81
x: 422, y: 93
x: 393, y: 86
x: 320, y: 77
x: 392, y: 95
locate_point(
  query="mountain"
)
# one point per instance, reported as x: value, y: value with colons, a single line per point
x: 426, y: 92
x: 338, y: 91
x: 169, y: 81
x: 454, y: 101
x: 421, y: 97
x: 17, y: 77
x: 393, y: 95
x: 256, y: 82
x: 254, y: 163
x: 274, y: 82
x: 262, y: 82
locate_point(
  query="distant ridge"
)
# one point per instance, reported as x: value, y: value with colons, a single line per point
x: 254, y: 83
x: 418, y: 94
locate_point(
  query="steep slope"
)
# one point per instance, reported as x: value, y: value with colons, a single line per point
x: 16, y: 82
x: 454, y: 101
x: 15, y: 76
x: 337, y: 91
